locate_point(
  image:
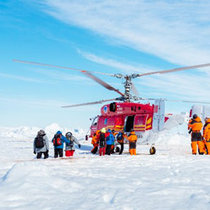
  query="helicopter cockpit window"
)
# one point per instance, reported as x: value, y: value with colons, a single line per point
x: 95, y: 121
x: 112, y: 107
x: 133, y: 108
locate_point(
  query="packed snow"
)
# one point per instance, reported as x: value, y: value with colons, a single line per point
x: 170, y: 179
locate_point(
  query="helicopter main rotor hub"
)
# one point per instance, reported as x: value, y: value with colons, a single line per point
x: 127, y: 86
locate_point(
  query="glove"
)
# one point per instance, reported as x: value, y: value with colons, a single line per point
x: 79, y: 145
x: 34, y: 152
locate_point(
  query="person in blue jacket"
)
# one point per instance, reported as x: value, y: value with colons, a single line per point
x: 58, y: 141
x: 109, y: 141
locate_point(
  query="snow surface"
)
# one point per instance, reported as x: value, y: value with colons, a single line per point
x: 171, y: 179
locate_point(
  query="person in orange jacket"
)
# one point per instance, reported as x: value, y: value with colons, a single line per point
x: 194, y: 126
x: 203, y: 138
x: 132, y: 138
x: 206, y: 134
x: 94, y: 142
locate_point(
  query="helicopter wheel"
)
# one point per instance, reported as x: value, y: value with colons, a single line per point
x: 152, y: 150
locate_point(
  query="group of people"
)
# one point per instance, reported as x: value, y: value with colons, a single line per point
x: 41, y: 144
x: 106, y: 142
x: 199, y: 142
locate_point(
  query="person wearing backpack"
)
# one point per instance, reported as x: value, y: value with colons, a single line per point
x: 41, y: 145
x: 70, y: 148
x: 113, y: 144
x: 109, y: 141
x: 120, y: 140
x: 102, y: 142
x: 58, y: 141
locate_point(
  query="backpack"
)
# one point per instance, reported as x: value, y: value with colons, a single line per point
x: 71, y: 144
x: 39, y: 142
x: 119, y: 136
x: 102, y: 140
x: 57, y: 140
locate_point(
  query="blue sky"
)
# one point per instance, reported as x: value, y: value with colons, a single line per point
x: 105, y: 36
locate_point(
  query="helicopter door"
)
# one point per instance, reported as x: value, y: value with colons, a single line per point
x: 129, y: 122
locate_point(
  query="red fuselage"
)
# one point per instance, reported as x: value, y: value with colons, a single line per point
x: 125, y: 116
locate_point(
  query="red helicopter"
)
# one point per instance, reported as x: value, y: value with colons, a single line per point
x: 123, y: 113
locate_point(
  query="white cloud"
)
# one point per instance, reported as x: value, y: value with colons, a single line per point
x: 22, y: 78
x: 62, y: 76
x: 175, y: 31
x: 127, y: 68
x: 21, y: 100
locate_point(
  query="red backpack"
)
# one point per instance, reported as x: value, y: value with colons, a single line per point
x: 57, y: 140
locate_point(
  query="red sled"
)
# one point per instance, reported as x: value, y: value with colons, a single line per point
x: 69, y: 153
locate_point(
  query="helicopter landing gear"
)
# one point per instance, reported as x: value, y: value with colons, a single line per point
x: 152, y: 150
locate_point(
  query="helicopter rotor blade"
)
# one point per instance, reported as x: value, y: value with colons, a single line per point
x: 173, y: 70
x: 134, y: 90
x: 144, y: 99
x: 59, y: 67
x: 90, y: 103
x: 87, y: 73
x: 101, y: 82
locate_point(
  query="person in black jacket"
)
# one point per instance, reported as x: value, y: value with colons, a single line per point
x: 102, y: 142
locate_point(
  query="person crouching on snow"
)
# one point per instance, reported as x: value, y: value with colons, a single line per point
x: 70, y: 148
x: 41, y: 145
x: 102, y: 142
x: 58, y: 141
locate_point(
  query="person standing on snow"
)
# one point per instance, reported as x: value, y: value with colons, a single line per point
x: 41, y: 145
x: 58, y: 141
x: 203, y: 137
x: 102, y: 142
x: 109, y: 141
x: 113, y: 145
x: 206, y: 134
x: 70, y: 148
x: 194, y: 126
x: 95, y: 140
x: 120, y: 140
x: 132, y: 138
